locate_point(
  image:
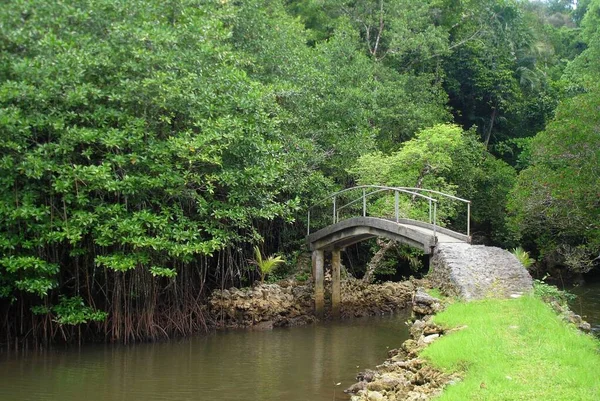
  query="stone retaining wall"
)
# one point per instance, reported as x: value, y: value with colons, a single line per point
x: 477, y: 271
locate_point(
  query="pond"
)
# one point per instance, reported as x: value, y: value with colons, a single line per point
x: 314, y: 363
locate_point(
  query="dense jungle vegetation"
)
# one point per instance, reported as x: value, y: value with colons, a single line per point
x: 147, y: 146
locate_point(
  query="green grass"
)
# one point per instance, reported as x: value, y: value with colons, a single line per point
x: 516, y: 349
x: 434, y: 292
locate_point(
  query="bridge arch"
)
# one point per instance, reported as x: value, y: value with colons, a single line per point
x: 407, y: 231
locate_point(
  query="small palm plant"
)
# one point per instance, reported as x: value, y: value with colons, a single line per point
x: 266, y: 266
x: 523, y: 257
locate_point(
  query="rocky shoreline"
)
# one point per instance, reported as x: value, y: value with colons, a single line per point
x: 405, y: 376
x: 290, y: 303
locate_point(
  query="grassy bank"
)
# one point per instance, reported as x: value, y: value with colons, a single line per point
x: 516, y: 349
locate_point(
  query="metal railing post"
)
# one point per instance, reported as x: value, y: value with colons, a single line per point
x: 308, y: 223
x: 430, y: 221
x: 364, y: 202
x: 334, y: 210
x: 469, y: 219
x: 396, y: 206
x: 435, y: 219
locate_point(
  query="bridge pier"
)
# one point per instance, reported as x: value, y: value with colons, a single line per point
x: 336, y: 286
x: 318, y: 262
x: 318, y: 267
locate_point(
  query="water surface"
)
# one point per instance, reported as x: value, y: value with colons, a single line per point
x: 587, y: 304
x: 300, y: 363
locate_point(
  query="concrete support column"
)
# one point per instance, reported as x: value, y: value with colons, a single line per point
x: 318, y: 261
x: 336, y: 286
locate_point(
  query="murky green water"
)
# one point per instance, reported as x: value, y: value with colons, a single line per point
x: 587, y: 304
x: 300, y: 363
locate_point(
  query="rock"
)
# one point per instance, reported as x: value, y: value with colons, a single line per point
x: 477, y: 271
x: 375, y: 386
x: 416, y: 330
x: 410, y: 346
x: 585, y: 327
x: 574, y: 318
x: 375, y: 396
x: 268, y: 325
x: 393, y: 352
x: 356, y: 387
x: 570, y: 316
x: 405, y: 376
x: 363, y: 299
x: 366, y: 376
x: 416, y: 396
x: 389, y: 381
x: 424, y: 304
x: 430, y: 338
x: 266, y: 302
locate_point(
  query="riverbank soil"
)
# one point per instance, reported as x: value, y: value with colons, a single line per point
x: 514, y: 349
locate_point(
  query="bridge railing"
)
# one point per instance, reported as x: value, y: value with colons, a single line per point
x: 348, y: 202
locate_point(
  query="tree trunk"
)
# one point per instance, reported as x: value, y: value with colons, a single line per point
x: 376, y: 259
x: 489, y: 133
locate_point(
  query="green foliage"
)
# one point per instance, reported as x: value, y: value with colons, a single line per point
x: 523, y: 257
x: 163, y: 272
x: 502, y: 71
x: 582, y: 73
x: 26, y: 273
x: 71, y: 311
x: 146, y: 139
x: 555, y: 202
x: 302, y: 276
x: 421, y: 162
x: 337, y: 103
x: 448, y: 159
x: 396, y: 255
x: 129, y: 133
x: 549, y: 293
x: 266, y: 266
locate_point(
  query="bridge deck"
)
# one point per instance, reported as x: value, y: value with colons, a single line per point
x: 411, y: 232
x: 441, y: 237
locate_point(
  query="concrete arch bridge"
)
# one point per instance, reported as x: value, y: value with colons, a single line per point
x: 408, y: 215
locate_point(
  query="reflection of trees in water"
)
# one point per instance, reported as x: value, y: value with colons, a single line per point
x: 293, y: 364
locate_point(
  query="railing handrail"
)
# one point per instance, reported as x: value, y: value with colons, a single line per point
x: 382, y: 188
x: 439, y: 193
x: 338, y: 208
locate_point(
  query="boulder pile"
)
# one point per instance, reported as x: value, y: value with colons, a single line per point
x: 263, y: 306
x: 571, y: 317
x: 290, y: 303
x: 363, y: 299
x: 404, y: 376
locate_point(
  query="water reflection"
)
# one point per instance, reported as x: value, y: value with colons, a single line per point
x: 285, y: 364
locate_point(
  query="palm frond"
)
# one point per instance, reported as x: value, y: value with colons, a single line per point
x: 266, y: 266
